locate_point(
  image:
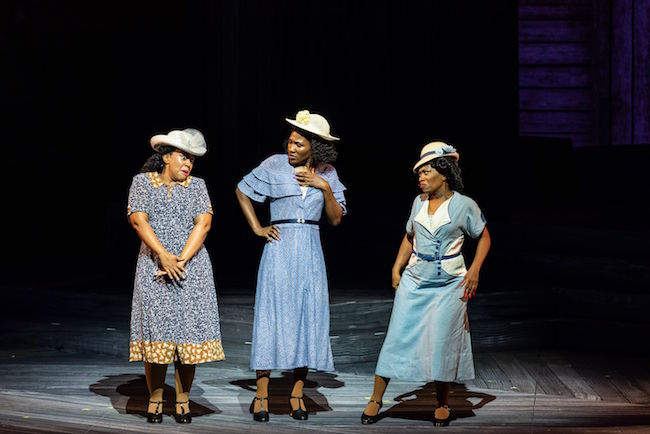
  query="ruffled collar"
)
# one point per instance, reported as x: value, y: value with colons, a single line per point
x: 156, y: 180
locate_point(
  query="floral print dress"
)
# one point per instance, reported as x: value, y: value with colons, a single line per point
x: 169, y: 320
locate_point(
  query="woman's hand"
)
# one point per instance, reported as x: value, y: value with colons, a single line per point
x: 470, y: 283
x: 269, y: 233
x: 172, y: 265
x: 307, y: 178
x: 397, y: 277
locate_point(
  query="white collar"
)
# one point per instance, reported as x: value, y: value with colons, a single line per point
x: 440, y: 217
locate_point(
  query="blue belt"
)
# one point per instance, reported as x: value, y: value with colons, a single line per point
x: 435, y: 258
x: 301, y: 221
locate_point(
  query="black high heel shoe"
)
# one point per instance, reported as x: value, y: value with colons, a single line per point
x: 260, y: 416
x: 155, y: 417
x: 298, y: 414
x: 369, y: 420
x: 183, y: 417
x: 441, y: 415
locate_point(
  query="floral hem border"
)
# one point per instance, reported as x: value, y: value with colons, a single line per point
x: 166, y: 352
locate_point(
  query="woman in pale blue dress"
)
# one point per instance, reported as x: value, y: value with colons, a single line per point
x: 291, y: 323
x: 428, y: 336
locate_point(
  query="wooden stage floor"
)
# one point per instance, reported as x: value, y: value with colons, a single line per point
x: 65, y: 372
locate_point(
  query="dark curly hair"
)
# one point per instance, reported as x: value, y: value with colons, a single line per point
x: 448, y: 167
x: 322, y: 151
x: 155, y: 163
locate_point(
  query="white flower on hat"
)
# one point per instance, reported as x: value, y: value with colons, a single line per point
x: 303, y: 117
x: 313, y: 123
x: 446, y: 149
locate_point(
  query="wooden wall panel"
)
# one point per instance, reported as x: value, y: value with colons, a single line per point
x: 622, y: 72
x: 591, y: 56
x: 555, y: 99
x: 641, y: 77
x: 568, y: 10
x: 554, y: 122
x: 630, y: 72
x: 555, y: 53
x: 552, y: 2
x: 556, y: 31
x: 578, y: 140
x: 554, y: 76
x: 555, y: 69
x: 601, y: 30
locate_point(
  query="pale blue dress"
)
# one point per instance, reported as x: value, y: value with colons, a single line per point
x: 291, y: 322
x: 428, y: 336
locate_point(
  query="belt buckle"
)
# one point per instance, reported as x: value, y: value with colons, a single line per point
x: 301, y: 220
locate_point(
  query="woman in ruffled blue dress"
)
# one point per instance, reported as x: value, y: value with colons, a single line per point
x: 291, y: 324
x: 428, y: 335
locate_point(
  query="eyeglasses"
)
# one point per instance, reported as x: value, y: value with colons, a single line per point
x: 185, y: 156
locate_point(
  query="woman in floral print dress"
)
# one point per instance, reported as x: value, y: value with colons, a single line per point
x: 174, y: 314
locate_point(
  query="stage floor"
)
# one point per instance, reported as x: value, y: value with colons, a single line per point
x: 65, y: 370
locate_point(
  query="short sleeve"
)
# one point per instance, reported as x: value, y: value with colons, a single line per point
x: 202, y: 204
x: 248, y: 186
x: 273, y: 178
x: 409, y: 223
x: 138, y: 195
x: 474, y: 221
x: 340, y: 198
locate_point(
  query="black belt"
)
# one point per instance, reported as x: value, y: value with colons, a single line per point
x: 301, y: 221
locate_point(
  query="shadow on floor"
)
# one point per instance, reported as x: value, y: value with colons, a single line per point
x: 129, y: 395
x: 423, y: 401
x: 280, y: 390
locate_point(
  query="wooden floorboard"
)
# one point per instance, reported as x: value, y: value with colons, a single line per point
x: 572, y: 380
x: 547, y: 381
x: 71, y: 375
x: 491, y: 373
x: 597, y: 374
x: 78, y: 394
x: 520, y: 378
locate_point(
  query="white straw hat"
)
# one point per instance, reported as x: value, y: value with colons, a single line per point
x: 434, y: 150
x: 315, y: 124
x: 188, y: 140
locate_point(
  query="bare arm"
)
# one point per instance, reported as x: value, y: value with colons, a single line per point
x: 202, y: 225
x: 269, y: 232
x: 403, y: 255
x: 470, y: 281
x: 171, y: 264
x: 482, y: 249
x: 333, y: 209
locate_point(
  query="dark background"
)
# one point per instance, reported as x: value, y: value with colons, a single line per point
x: 87, y: 84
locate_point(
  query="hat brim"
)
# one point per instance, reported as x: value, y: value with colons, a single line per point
x: 430, y: 158
x: 297, y: 124
x: 163, y: 139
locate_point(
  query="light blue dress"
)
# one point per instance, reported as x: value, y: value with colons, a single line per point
x: 291, y: 324
x: 428, y: 336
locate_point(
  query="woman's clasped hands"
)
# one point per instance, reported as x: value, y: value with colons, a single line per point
x: 172, y: 266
